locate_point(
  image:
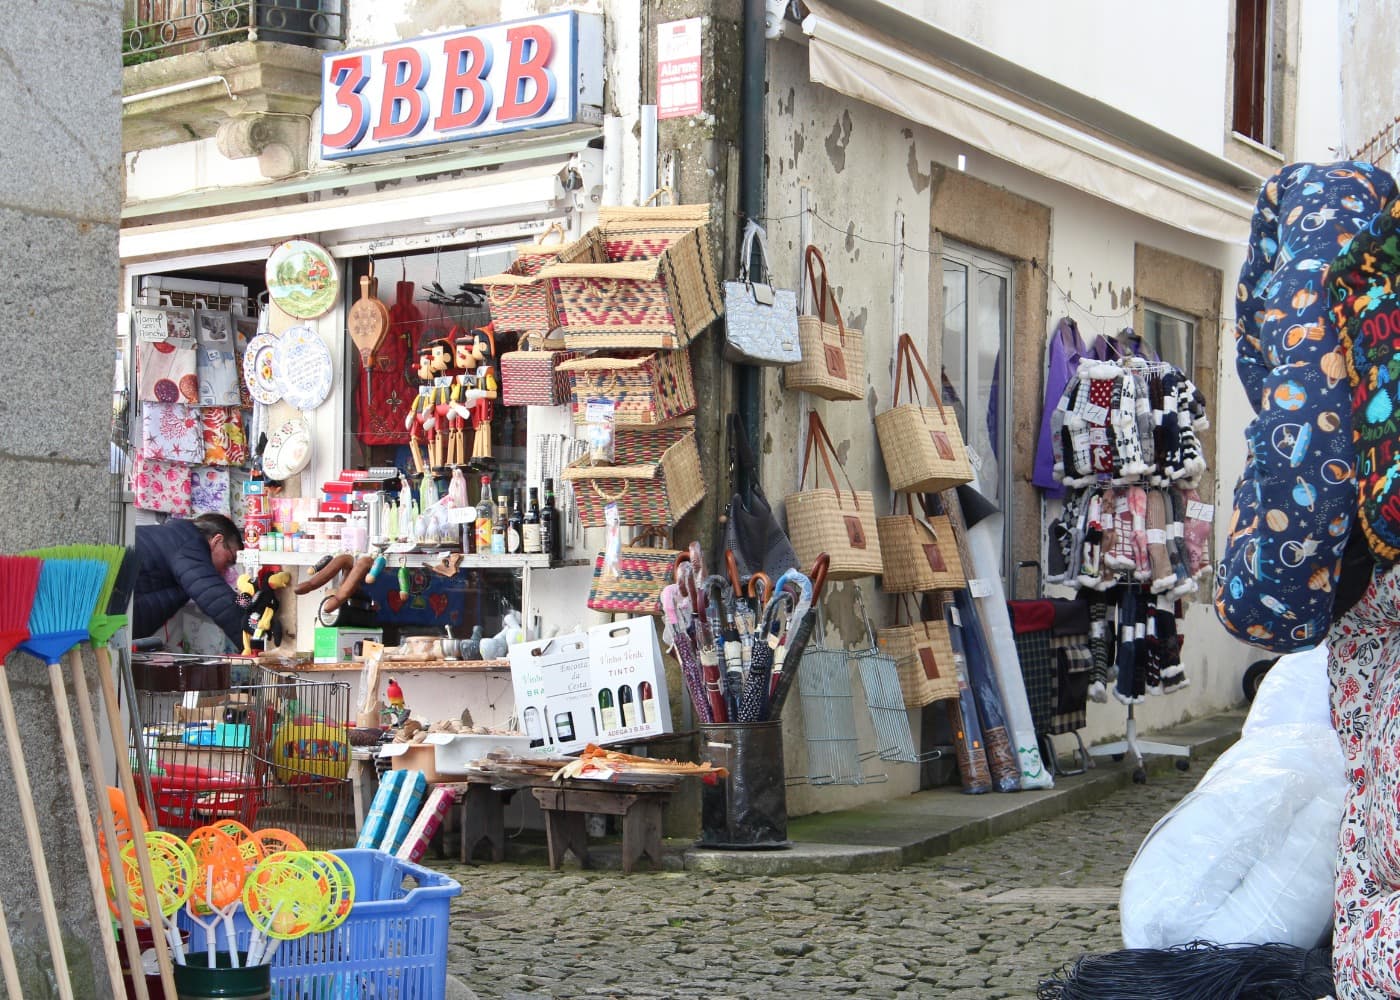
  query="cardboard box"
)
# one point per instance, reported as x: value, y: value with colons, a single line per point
x: 626, y: 672
x: 215, y: 708
x: 553, y: 696
x: 337, y: 645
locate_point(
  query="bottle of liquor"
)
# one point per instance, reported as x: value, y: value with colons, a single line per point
x: 564, y: 727
x: 628, y: 705
x: 648, y: 695
x: 532, y: 726
x: 550, y: 540
x: 515, y: 527
x: 483, y: 517
x: 608, y: 710
x: 533, y: 540
x: 498, y: 526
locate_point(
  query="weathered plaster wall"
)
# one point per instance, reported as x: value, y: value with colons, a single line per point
x: 59, y: 199
x: 860, y: 166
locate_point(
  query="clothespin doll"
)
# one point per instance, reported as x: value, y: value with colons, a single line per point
x: 441, y: 363
x: 459, y: 414
x: 484, y: 354
x: 421, y: 421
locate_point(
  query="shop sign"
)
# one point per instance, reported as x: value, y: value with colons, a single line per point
x: 678, y: 69
x: 536, y: 73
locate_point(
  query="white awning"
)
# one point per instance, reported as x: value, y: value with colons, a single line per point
x: 864, y: 64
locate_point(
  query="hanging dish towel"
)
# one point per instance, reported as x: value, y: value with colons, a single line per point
x: 224, y: 440
x: 170, y: 433
x: 166, y: 373
x: 209, y: 491
x: 216, y: 364
x: 161, y: 486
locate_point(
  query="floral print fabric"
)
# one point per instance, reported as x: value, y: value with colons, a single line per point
x: 161, y: 486
x: 171, y: 432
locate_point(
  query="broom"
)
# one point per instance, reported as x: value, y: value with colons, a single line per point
x: 19, y: 578
x: 110, y: 618
x: 63, y: 605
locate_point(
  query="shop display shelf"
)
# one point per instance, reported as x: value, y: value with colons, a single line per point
x: 473, y: 561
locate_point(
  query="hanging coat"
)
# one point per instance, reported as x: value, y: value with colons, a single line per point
x: 1062, y: 359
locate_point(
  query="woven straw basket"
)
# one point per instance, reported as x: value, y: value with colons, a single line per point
x: 655, y: 480
x: 919, y: 554
x: 521, y: 302
x: 839, y: 523
x: 833, y: 358
x: 923, y: 652
x: 647, y: 389
x: 533, y: 377
x: 635, y: 588
x: 922, y: 446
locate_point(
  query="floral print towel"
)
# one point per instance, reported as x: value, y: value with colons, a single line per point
x: 161, y: 486
x: 225, y: 441
x: 171, y: 432
x: 209, y: 491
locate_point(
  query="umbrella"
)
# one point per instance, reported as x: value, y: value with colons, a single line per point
x: 796, y: 644
x: 753, y: 707
x: 683, y: 643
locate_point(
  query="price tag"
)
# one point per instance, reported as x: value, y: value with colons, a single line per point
x: 953, y: 615
x: 461, y: 515
x: 1197, y: 511
x: 979, y: 587
x: 1156, y: 536
x: 1095, y: 414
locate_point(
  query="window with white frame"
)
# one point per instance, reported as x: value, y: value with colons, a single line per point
x: 1171, y: 333
x: 977, y: 299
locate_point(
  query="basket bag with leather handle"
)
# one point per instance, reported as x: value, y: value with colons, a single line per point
x: 532, y: 377
x: 641, y: 573
x: 760, y: 321
x: 751, y: 529
x: 833, y: 358
x: 922, y: 445
x: 919, y: 553
x: 923, y: 652
x: 839, y: 523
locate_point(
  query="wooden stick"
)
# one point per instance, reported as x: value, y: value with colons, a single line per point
x: 133, y: 809
x: 109, y: 828
x: 7, y: 958
x: 85, y: 834
x: 35, y: 839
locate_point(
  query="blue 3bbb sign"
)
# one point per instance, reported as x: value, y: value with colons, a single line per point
x: 536, y: 73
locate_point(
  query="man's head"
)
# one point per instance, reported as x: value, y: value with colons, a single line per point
x: 223, y: 538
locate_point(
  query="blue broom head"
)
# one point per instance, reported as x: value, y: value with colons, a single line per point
x: 63, y: 605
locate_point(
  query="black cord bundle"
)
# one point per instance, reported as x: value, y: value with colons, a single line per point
x: 1198, y: 970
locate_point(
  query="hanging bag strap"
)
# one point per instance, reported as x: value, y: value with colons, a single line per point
x: 823, y: 297
x: 818, y: 441
x: 906, y: 358
x: 753, y: 232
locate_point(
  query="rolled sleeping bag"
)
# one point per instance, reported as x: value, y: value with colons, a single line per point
x: 1295, y: 500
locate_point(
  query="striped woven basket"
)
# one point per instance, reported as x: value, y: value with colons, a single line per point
x: 521, y: 302
x: 634, y: 586
x: 923, y: 652
x: 655, y: 479
x: 646, y: 389
x: 534, y: 377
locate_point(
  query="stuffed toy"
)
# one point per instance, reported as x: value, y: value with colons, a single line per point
x: 260, y: 600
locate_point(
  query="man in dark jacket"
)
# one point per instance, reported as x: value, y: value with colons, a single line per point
x: 182, y: 561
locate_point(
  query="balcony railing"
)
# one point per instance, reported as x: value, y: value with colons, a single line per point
x: 171, y: 27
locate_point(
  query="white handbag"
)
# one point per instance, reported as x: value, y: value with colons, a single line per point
x: 760, y: 321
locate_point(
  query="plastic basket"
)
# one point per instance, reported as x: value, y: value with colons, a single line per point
x: 393, y: 943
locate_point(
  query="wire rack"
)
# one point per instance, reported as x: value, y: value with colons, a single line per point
x: 829, y: 720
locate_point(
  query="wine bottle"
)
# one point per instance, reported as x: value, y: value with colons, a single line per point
x: 564, y: 727
x: 515, y: 533
x: 483, y: 517
x: 648, y: 695
x: 532, y: 726
x: 629, y: 706
x: 498, y: 526
x: 533, y: 543
x: 550, y: 533
x: 608, y: 710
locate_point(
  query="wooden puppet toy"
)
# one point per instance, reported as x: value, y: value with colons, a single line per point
x: 440, y: 352
x: 421, y: 420
x: 484, y: 354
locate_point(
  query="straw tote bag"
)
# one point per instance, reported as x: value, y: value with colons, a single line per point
x: 919, y: 553
x: 923, y: 448
x: 923, y: 652
x: 635, y: 588
x: 833, y: 358
x: 841, y: 524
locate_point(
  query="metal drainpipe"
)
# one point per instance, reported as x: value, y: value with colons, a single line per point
x: 751, y: 171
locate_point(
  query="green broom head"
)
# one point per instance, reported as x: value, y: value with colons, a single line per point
x: 100, y: 627
x: 63, y: 606
x: 19, y: 579
x: 113, y: 617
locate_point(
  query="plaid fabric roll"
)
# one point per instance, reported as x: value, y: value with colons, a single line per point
x: 1031, y: 622
x: 1074, y: 663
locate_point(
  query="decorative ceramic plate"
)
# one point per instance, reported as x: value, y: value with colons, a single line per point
x: 260, y: 369
x: 304, y: 367
x: 302, y: 279
x: 288, y: 450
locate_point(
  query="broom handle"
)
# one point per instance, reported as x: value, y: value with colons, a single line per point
x: 109, y: 827
x: 35, y: 838
x: 7, y: 958
x: 133, y: 811
x: 85, y: 835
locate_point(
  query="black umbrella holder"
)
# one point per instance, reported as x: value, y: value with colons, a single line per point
x: 748, y: 809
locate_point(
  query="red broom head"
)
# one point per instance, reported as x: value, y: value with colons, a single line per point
x: 19, y: 579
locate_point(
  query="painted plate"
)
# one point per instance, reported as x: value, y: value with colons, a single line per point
x: 304, y: 367
x: 288, y: 450
x: 260, y: 369
x: 302, y: 279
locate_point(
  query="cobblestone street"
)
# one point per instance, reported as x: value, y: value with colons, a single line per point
x: 982, y: 923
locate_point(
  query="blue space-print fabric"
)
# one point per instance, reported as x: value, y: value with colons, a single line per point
x: 1296, y: 500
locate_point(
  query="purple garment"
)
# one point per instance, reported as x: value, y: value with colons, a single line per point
x: 1066, y: 348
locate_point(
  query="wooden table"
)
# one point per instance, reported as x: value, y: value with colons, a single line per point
x: 567, y: 804
x: 483, y: 804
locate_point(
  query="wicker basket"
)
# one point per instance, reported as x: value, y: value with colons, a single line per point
x: 636, y: 283
x: 923, y: 652
x: 520, y: 302
x: 841, y: 524
x: 833, y: 358
x: 919, y: 553
x: 922, y: 445
x: 635, y: 588
x: 654, y: 480
x: 647, y: 389
x: 533, y: 377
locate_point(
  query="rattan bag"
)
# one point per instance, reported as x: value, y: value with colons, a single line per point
x: 841, y: 524
x: 520, y: 301
x: 655, y: 480
x: 533, y: 377
x: 922, y: 445
x: 634, y: 586
x: 919, y: 553
x: 646, y: 388
x: 923, y: 652
x: 833, y: 358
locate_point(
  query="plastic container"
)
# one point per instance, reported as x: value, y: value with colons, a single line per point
x: 748, y: 810
x: 393, y: 943
x: 197, y: 981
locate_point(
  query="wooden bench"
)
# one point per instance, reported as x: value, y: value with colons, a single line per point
x: 567, y: 805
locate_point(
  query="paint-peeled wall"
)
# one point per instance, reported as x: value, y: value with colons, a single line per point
x: 855, y: 169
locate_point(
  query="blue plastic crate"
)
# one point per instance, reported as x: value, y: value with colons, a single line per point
x: 393, y: 943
